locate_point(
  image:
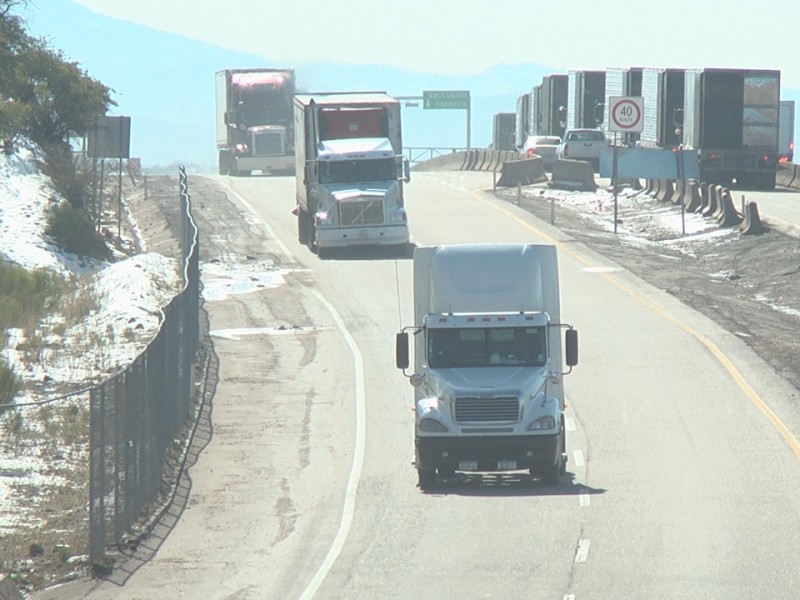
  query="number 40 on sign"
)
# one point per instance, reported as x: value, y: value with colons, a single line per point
x: 626, y: 113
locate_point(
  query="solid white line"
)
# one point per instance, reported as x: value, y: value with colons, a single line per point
x: 583, y: 551
x: 358, y: 455
x: 358, y: 458
x: 578, y: 458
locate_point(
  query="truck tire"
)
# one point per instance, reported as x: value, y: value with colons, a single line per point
x: 302, y: 226
x: 427, y: 479
x: 224, y: 162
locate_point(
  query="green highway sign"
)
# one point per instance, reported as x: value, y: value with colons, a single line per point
x: 446, y: 99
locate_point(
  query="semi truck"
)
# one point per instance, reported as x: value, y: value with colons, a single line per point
x: 731, y: 117
x: 786, y: 134
x: 586, y: 92
x: 662, y: 94
x: 254, y: 121
x: 488, y: 372
x: 350, y: 171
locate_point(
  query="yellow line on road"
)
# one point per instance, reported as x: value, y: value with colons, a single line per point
x: 726, y: 363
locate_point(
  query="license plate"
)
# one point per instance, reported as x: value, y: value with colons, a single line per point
x: 468, y: 465
x: 506, y: 465
x: 363, y: 234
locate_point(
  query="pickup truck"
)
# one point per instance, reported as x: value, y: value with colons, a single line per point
x: 583, y: 144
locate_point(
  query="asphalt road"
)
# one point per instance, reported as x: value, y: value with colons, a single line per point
x: 682, y: 441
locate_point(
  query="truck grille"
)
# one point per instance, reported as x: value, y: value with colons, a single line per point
x: 361, y: 212
x: 480, y: 410
x: 268, y: 143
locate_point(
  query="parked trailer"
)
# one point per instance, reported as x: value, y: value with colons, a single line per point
x: 663, y: 97
x: 551, y: 116
x: 731, y: 117
x: 503, y: 125
x: 522, y: 126
x: 586, y: 93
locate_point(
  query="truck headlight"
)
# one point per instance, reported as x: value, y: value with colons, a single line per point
x: 428, y: 424
x: 543, y: 424
x: 397, y: 216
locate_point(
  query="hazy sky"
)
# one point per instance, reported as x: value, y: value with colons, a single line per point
x: 469, y: 36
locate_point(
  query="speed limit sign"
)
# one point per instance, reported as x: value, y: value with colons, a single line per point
x: 626, y: 113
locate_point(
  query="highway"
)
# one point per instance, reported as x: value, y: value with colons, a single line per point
x: 684, y: 461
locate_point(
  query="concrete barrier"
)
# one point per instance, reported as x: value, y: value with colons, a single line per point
x: 680, y: 192
x: 692, y: 200
x: 704, y: 201
x: 8, y: 590
x: 727, y: 216
x: 656, y: 191
x: 751, y: 225
x: 713, y: 201
x: 786, y: 174
x: 573, y: 175
x: 525, y: 171
x: 667, y: 190
x: 717, y: 190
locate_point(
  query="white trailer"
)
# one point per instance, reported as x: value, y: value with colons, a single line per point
x: 488, y: 364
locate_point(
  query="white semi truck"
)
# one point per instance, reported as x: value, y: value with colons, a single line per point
x: 350, y: 171
x: 488, y: 364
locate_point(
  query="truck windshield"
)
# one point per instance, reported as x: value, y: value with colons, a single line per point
x: 353, y: 171
x: 265, y: 106
x: 491, y: 347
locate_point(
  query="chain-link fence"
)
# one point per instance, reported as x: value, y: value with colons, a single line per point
x: 138, y: 416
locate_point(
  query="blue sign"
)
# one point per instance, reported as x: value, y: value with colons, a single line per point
x: 649, y: 163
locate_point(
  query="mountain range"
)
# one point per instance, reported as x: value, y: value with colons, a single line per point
x: 165, y: 83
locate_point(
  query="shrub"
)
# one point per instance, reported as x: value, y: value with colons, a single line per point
x: 72, y: 229
x: 10, y: 383
x: 25, y: 295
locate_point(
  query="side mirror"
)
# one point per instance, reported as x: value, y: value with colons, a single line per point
x: 401, y: 350
x: 406, y: 171
x: 571, y: 336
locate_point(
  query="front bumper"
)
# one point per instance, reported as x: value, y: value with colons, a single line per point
x: 385, y: 235
x: 265, y: 163
x: 501, y: 453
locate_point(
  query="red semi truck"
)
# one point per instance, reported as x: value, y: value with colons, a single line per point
x: 255, y: 131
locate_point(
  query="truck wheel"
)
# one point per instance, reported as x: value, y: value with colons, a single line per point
x: 550, y: 475
x: 427, y: 479
x: 224, y: 162
x: 302, y: 226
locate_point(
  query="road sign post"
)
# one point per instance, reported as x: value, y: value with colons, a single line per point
x: 449, y: 100
x: 625, y: 116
